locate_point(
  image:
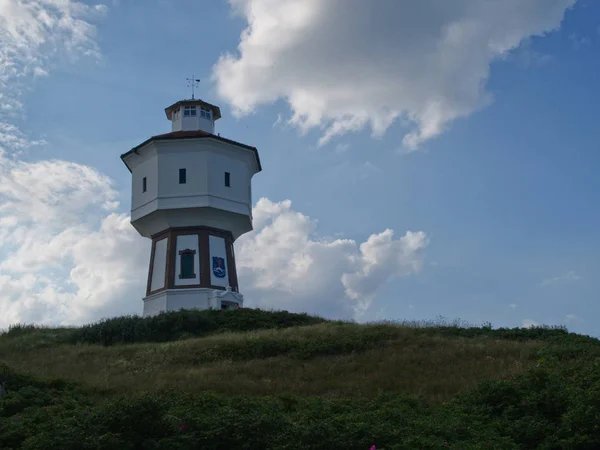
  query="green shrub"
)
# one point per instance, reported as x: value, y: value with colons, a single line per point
x: 20, y: 328
x: 186, y: 323
x: 554, y: 406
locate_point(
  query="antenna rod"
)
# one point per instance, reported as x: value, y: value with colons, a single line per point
x: 193, y: 82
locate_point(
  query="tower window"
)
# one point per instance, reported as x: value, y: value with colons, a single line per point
x: 227, y: 179
x: 205, y: 112
x: 144, y: 184
x: 189, y: 111
x: 186, y: 258
x: 182, y: 176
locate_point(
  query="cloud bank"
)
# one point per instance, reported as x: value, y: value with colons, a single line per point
x: 283, y: 264
x: 71, y: 262
x: 343, y: 65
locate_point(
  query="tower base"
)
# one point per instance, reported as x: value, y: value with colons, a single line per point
x: 191, y: 298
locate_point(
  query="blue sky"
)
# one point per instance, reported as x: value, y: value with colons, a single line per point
x: 506, y: 190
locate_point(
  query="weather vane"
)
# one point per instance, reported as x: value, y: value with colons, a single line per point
x: 193, y: 83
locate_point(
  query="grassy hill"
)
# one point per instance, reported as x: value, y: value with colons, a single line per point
x: 251, y: 379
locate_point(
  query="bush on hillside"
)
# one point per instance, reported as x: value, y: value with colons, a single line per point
x: 68, y: 420
x: 172, y: 326
x: 199, y: 323
x: 19, y: 329
x: 538, y: 333
x: 553, y: 406
x: 549, y: 408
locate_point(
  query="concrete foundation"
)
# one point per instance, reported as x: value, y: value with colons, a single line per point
x: 192, y: 298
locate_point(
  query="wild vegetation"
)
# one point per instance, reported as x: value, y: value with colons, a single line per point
x: 251, y: 379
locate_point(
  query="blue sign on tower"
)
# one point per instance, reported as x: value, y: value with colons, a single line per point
x: 219, y: 267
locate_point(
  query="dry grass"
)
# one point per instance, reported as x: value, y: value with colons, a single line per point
x: 325, y: 360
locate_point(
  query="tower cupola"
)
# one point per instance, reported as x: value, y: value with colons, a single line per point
x: 193, y: 115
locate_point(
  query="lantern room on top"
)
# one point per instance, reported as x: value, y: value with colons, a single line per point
x: 191, y: 115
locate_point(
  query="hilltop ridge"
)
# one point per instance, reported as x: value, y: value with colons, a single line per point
x: 258, y: 379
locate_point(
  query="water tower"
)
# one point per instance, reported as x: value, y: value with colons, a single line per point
x: 192, y: 196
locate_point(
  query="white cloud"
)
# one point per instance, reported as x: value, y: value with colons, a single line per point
x: 54, y: 193
x: 65, y: 260
x: 570, y: 276
x: 282, y: 264
x: 513, y: 306
x: 12, y: 137
x: 343, y: 65
x: 34, y: 35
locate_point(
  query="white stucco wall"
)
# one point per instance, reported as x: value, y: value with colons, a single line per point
x: 206, y: 161
x: 176, y: 123
x: 217, y: 249
x: 188, y: 241
x: 191, y: 298
x: 194, y: 162
x: 176, y: 299
x: 147, y: 167
x: 192, y: 123
x: 159, y: 266
x: 239, y: 189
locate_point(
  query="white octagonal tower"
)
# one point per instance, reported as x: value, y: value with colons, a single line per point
x: 192, y: 195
